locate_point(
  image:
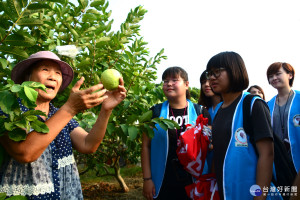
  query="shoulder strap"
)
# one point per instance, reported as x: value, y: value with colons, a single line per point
x: 198, y: 108
x: 156, y: 110
x: 246, y: 114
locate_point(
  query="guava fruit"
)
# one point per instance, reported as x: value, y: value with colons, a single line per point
x: 110, y: 79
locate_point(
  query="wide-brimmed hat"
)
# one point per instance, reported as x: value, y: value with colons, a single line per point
x: 18, y: 72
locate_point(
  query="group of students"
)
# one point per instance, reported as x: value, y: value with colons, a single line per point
x: 43, y: 165
x: 237, y: 160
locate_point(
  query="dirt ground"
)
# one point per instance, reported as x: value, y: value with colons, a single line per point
x: 112, y: 191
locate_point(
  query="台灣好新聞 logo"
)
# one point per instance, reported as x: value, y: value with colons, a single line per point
x: 255, y: 190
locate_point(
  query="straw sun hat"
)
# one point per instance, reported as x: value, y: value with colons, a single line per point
x: 19, y: 71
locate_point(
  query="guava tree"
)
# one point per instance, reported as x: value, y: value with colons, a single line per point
x: 30, y: 26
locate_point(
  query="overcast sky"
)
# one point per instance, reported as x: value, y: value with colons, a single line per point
x: 192, y: 31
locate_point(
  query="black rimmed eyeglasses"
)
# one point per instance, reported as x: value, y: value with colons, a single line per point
x: 215, y: 72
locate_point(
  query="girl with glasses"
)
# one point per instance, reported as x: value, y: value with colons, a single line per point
x: 236, y: 163
x: 164, y: 176
x: 285, y: 108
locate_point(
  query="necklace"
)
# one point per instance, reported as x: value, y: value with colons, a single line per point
x: 282, y: 121
x: 182, y: 118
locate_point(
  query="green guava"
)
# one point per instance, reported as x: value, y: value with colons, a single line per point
x: 110, y: 79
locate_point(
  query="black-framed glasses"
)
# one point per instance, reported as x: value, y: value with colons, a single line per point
x: 215, y: 72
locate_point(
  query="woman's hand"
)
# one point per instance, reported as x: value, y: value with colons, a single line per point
x: 80, y: 100
x: 114, y: 97
x: 148, y: 189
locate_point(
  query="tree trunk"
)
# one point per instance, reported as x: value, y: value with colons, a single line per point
x: 120, y: 179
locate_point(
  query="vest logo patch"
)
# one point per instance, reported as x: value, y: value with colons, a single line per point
x: 296, y: 120
x: 240, y: 138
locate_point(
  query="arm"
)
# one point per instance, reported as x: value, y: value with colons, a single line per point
x: 264, y: 168
x: 89, y: 142
x: 148, y: 186
x: 35, y: 143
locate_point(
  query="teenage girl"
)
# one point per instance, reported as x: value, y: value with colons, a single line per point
x: 285, y: 108
x: 256, y: 90
x: 164, y: 177
x: 237, y: 165
x: 208, y: 98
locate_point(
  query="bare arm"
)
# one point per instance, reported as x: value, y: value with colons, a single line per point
x: 85, y: 142
x: 35, y: 144
x: 148, y: 186
x: 264, y: 170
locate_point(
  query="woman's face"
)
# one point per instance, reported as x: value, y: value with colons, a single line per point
x: 219, y: 83
x: 280, y: 79
x: 175, y: 87
x: 205, y: 87
x: 256, y: 91
x: 48, y: 73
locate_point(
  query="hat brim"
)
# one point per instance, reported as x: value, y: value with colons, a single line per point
x: 19, y: 71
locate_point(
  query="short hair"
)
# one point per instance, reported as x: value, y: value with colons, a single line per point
x: 275, y: 67
x: 259, y: 88
x: 177, y: 72
x: 235, y: 67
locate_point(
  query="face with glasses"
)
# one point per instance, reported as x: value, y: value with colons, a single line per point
x: 174, y: 87
x: 218, y: 79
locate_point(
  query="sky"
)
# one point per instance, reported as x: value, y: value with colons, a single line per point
x: 192, y: 31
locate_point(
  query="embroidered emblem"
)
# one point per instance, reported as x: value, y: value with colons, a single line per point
x: 240, y: 138
x: 296, y: 120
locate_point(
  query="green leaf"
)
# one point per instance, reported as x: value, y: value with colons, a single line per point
x: 12, y: 5
x: 16, y: 88
x: 39, y: 126
x: 171, y: 124
x: 17, y: 135
x: 31, y: 94
x: 6, y: 101
x: 14, y: 51
x: 36, y: 6
x: 9, y: 126
x: 34, y: 112
x: 2, y: 195
x: 97, y: 3
x: 110, y: 128
x: 21, y: 123
x: 33, y: 84
x: 132, y: 132
x: 161, y: 124
x: 146, y: 116
x: 30, y: 22
x: 31, y: 118
x: 3, y: 63
x: 17, y: 197
x: 150, y: 131
x: 19, y: 40
x: 124, y: 128
x: 23, y: 3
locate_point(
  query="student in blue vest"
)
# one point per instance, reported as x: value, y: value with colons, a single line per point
x: 237, y: 166
x: 212, y: 102
x: 164, y: 177
x: 208, y: 98
x: 285, y: 108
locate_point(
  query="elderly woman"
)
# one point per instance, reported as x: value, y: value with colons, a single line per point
x: 43, y: 166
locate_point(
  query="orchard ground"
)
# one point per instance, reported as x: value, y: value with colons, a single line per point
x: 107, y: 188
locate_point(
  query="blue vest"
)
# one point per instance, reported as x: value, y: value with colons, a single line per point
x: 160, y: 145
x: 213, y: 113
x: 292, y: 125
x: 240, y: 162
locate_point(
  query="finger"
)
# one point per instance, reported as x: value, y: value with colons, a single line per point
x: 122, y: 88
x: 96, y: 102
x: 96, y: 95
x: 93, y: 89
x: 78, y: 84
x: 121, y: 81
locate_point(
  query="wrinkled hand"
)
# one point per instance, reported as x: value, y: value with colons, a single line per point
x: 80, y: 100
x: 114, y: 97
x: 148, y: 189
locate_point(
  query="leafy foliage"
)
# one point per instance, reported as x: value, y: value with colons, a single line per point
x: 28, y: 26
